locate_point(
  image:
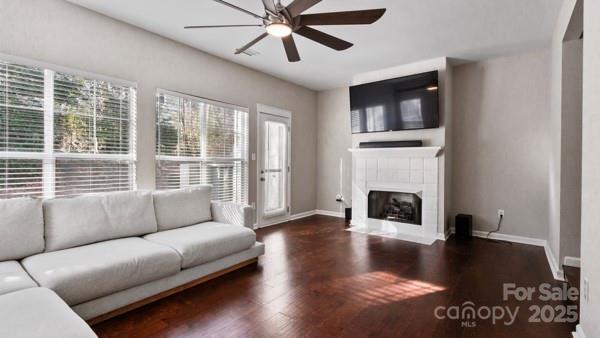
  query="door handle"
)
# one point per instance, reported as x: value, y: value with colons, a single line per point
x: 262, y: 179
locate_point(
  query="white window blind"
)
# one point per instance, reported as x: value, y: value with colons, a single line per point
x: 64, y: 135
x: 21, y: 130
x: 200, y: 141
x: 94, y: 135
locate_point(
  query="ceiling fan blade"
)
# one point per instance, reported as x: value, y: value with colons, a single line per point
x: 324, y: 38
x: 251, y: 43
x: 299, y: 6
x: 342, y: 18
x: 290, y: 49
x: 270, y: 6
x: 238, y: 8
x: 220, y: 26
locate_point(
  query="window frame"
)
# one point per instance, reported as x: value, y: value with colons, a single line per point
x: 245, y: 159
x: 49, y: 156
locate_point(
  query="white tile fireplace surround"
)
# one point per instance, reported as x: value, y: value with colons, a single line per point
x: 405, y: 170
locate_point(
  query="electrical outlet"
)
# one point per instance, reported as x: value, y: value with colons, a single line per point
x: 586, y: 290
x: 500, y: 213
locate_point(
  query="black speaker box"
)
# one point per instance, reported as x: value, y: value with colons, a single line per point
x: 463, y: 226
x: 348, y: 214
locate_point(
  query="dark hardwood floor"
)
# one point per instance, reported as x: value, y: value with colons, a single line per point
x: 317, y: 280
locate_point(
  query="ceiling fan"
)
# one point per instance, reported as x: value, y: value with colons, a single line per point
x: 281, y: 21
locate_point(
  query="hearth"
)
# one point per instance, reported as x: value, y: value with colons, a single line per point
x: 395, y: 206
x: 384, y: 180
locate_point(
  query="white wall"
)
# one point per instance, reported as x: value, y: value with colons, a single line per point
x: 61, y: 33
x: 590, y: 229
x: 501, y: 143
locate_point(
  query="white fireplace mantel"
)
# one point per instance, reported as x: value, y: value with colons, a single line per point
x: 409, y: 170
x: 407, y: 152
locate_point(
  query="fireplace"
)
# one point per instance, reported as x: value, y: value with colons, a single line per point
x: 395, y: 206
x: 396, y: 192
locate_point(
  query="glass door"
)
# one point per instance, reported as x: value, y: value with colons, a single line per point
x: 273, y: 169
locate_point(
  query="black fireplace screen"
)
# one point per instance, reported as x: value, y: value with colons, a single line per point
x: 395, y: 206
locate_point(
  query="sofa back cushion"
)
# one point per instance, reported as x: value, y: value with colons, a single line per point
x: 21, y: 228
x: 76, y: 221
x: 182, y: 207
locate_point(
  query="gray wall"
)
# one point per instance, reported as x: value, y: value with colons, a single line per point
x: 501, y: 143
x: 499, y: 136
x: 563, y: 27
x: 60, y: 33
x: 590, y: 230
x: 570, y: 173
x: 334, y: 139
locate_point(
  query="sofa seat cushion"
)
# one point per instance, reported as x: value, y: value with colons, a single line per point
x: 39, y: 312
x: 88, y: 272
x: 205, y: 242
x: 13, y: 277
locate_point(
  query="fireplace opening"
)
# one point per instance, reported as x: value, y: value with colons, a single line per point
x: 395, y: 206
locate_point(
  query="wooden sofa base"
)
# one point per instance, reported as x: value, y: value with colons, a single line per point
x: 169, y: 292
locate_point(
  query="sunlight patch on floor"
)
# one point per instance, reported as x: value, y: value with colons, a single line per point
x: 380, y: 287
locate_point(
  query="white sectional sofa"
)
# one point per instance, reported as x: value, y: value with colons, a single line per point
x: 39, y: 312
x: 109, y: 253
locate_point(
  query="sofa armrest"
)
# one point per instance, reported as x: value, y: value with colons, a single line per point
x: 233, y: 213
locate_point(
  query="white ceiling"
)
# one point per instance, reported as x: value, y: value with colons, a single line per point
x: 411, y: 30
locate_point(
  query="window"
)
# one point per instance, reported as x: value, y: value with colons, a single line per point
x: 199, y: 141
x: 63, y: 134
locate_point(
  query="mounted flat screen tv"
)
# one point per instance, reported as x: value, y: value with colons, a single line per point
x: 404, y: 103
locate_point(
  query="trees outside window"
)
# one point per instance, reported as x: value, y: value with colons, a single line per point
x: 200, y: 141
x: 63, y: 134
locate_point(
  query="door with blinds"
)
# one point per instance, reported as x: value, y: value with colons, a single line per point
x: 274, y: 172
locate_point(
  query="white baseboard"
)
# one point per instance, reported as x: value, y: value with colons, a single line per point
x: 572, y: 261
x: 556, y: 269
x: 578, y: 332
x: 317, y: 212
x: 510, y: 238
x: 330, y: 213
x: 303, y: 215
x: 290, y: 218
x: 308, y: 214
x: 266, y: 225
x: 444, y: 236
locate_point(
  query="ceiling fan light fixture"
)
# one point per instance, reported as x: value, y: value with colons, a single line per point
x: 279, y: 29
